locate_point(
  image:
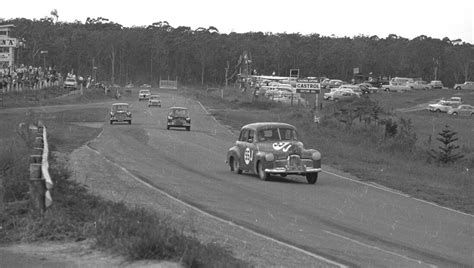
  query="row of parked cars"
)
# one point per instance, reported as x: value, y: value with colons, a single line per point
x: 453, y: 106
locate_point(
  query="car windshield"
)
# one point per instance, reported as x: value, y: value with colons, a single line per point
x: 277, y: 134
x: 122, y: 107
x: 154, y: 97
x: 179, y: 112
x: 144, y: 92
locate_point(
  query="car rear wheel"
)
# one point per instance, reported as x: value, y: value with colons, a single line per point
x: 188, y: 128
x: 458, y: 88
x: 168, y: 127
x: 438, y: 110
x: 235, y: 165
x: 261, y: 172
x: 312, y: 178
x: 111, y: 122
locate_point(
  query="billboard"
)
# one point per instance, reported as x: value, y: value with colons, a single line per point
x: 7, y: 41
x: 307, y: 86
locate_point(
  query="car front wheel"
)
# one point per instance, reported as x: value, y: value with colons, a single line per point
x: 261, y: 172
x: 235, y: 165
x: 455, y: 113
x: 312, y: 178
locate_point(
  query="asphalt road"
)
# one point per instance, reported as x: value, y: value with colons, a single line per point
x: 342, y: 221
x: 336, y: 222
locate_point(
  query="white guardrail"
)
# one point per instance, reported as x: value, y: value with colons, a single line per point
x: 40, y: 179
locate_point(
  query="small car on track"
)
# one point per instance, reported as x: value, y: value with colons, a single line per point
x: 270, y: 148
x: 178, y: 117
x: 70, y: 83
x: 144, y: 94
x: 120, y: 112
x: 154, y: 100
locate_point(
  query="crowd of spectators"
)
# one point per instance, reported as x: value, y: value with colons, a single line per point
x: 28, y: 77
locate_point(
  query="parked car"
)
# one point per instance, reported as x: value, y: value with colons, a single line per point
x: 329, y: 95
x: 179, y: 117
x: 120, y: 112
x: 367, y: 88
x: 154, y: 100
x: 144, y: 94
x: 70, y: 83
x: 454, y: 101
x: 466, y: 85
x: 462, y: 110
x: 436, y: 84
x: 398, y: 84
x: 273, y: 148
x: 344, y: 95
x: 441, y: 106
x: 419, y: 84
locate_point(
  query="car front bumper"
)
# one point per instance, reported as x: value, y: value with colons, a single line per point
x: 302, y: 170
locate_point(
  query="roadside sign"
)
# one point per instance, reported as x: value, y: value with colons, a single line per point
x: 307, y: 86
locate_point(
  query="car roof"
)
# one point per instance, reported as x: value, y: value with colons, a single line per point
x: 178, y: 108
x: 261, y: 125
x: 120, y: 103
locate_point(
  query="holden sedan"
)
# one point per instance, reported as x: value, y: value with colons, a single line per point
x: 120, y: 112
x: 462, y: 110
x: 272, y: 148
x: 178, y: 117
x: 144, y: 94
x: 154, y: 100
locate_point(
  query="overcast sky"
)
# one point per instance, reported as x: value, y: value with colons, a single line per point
x: 407, y: 18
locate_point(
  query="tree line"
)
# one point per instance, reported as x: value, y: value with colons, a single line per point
x: 201, y: 56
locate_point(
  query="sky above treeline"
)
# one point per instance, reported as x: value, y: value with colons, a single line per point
x: 437, y: 19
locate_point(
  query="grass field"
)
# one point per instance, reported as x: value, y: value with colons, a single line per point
x: 362, y: 151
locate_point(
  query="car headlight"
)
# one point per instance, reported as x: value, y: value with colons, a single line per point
x: 269, y: 157
x: 316, y: 156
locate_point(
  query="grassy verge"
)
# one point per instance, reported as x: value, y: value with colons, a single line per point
x: 76, y: 215
x: 363, y: 150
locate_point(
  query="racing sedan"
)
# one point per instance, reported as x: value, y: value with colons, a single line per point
x: 272, y: 148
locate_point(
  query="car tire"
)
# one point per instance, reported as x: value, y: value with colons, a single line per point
x: 261, y: 172
x: 458, y: 88
x: 438, y: 110
x: 312, y: 178
x: 455, y: 113
x: 129, y: 122
x: 188, y: 128
x: 235, y: 165
x: 111, y: 122
x: 168, y: 127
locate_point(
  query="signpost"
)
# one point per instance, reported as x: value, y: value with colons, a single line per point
x: 310, y: 86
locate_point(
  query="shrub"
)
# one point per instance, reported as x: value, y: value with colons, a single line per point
x: 447, y: 150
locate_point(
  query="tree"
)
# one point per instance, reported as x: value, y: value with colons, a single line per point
x: 446, y: 153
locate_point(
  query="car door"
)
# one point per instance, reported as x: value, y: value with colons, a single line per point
x: 247, y: 150
x: 241, y: 146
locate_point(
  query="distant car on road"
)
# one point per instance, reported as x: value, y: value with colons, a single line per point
x: 179, y: 117
x: 144, y: 94
x: 462, y: 110
x: 270, y: 148
x: 466, y: 85
x: 70, y: 83
x: 154, y: 100
x: 441, y: 106
x: 120, y: 112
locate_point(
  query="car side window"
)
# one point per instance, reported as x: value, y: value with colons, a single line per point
x: 251, y: 137
x: 243, y: 135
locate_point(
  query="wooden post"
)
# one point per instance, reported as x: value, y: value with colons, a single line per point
x: 37, y: 189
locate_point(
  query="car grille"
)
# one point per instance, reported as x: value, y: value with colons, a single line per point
x: 294, y: 162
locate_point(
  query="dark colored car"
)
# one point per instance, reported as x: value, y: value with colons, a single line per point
x: 179, y: 117
x: 271, y: 148
x: 120, y: 112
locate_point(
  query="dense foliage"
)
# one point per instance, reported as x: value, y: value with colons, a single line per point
x: 144, y: 54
